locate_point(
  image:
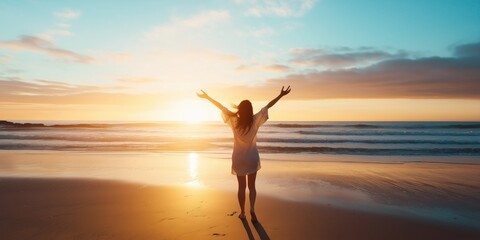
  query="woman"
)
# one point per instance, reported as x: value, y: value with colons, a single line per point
x: 245, y: 158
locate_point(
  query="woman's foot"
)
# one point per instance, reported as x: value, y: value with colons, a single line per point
x: 254, y: 217
x: 241, y: 215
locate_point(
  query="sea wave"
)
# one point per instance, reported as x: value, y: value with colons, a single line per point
x: 387, y: 133
x: 380, y: 125
x: 464, y: 126
x: 383, y: 125
x: 156, y: 139
x: 139, y: 147
x: 9, y: 124
x: 355, y: 138
x: 367, y: 141
x: 374, y: 151
x: 306, y: 125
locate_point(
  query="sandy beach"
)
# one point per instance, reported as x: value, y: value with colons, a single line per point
x: 96, y: 209
x: 79, y: 195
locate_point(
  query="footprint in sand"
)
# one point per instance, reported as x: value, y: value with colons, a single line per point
x: 218, y: 234
x: 231, y: 214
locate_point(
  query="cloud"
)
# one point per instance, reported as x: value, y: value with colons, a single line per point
x: 261, y: 32
x: 255, y: 32
x: 14, y: 70
x: 62, y: 27
x: 199, y: 21
x: 137, y: 80
x: 116, y: 57
x: 67, y: 14
x: 42, y: 87
x: 341, y: 57
x: 3, y: 58
x: 36, y: 44
x: 254, y: 12
x: 456, y: 77
x: 50, y: 34
x: 60, y: 93
x: 204, y: 19
x: 214, y: 55
x: 280, y: 8
x: 279, y: 68
x: 468, y: 50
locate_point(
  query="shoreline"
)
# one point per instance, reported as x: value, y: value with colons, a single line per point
x: 86, y: 208
x: 441, y: 192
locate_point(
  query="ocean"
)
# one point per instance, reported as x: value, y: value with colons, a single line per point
x: 344, y: 138
x: 429, y: 170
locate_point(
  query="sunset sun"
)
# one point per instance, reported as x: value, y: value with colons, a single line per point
x: 193, y: 112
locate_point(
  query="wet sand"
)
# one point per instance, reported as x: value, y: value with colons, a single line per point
x: 443, y: 189
x: 33, y: 208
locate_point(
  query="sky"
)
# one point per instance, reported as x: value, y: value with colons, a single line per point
x: 346, y: 60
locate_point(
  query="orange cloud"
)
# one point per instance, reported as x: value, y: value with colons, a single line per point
x: 263, y: 68
x: 36, y: 44
x: 341, y: 57
x: 456, y: 77
x: 137, y: 80
x: 58, y: 93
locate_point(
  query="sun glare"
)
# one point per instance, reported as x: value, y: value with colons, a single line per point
x: 193, y: 112
x: 193, y: 116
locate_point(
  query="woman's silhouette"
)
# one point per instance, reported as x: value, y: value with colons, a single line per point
x: 245, y: 158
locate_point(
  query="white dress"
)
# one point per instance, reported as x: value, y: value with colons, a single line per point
x: 245, y: 158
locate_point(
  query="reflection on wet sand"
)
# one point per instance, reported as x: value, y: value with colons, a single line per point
x: 442, y: 191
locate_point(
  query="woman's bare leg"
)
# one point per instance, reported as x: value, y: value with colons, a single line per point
x: 252, y: 194
x: 242, y: 185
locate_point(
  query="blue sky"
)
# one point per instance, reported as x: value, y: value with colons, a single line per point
x: 160, y: 47
x: 429, y: 26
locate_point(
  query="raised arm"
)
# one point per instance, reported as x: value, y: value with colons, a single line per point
x: 205, y: 95
x: 282, y: 93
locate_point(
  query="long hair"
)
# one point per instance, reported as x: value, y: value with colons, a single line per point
x: 245, y: 116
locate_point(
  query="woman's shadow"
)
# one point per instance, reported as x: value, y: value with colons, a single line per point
x: 258, y: 227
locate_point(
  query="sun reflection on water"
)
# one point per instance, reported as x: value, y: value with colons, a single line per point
x: 193, y: 171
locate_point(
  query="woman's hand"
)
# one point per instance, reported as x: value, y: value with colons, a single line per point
x: 203, y: 95
x: 283, y: 92
x: 286, y: 91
